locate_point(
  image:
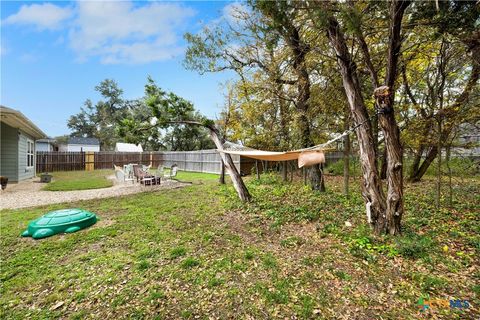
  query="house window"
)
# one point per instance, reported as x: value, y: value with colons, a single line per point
x: 30, y: 153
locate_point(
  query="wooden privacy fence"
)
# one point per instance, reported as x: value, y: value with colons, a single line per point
x: 207, y: 161
x: 60, y: 161
x: 199, y: 161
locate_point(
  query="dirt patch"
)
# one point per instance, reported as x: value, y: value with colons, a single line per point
x: 103, y: 223
x: 29, y: 194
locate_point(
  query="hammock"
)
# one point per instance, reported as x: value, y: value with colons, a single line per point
x: 305, y: 157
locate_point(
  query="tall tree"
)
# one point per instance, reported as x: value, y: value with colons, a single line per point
x: 384, y: 213
x: 168, y: 109
x: 455, y: 21
x: 100, y: 120
x: 270, y: 47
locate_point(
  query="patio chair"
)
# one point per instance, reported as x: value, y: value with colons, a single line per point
x: 121, y: 175
x: 142, y: 176
x: 129, y: 176
x: 172, y: 174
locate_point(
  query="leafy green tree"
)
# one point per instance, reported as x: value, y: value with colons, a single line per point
x: 152, y: 122
x: 100, y: 120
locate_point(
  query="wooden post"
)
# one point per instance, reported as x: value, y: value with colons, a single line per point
x: 89, y: 161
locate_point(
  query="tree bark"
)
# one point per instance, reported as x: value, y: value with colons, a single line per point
x: 257, y: 172
x: 371, y: 189
x: 416, y: 162
x: 237, y: 181
x: 346, y: 164
x: 316, y: 178
x: 383, y: 213
x: 390, y: 222
x: 238, y: 184
x: 284, y: 165
x: 384, y: 166
x: 438, y: 188
x: 385, y: 97
x: 221, y: 179
x: 449, y: 170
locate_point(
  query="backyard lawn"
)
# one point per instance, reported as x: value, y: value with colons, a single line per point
x: 196, y: 252
x: 79, y: 180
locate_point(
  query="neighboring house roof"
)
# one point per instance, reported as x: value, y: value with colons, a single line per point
x: 128, y: 147
x: 47, y: 140
x: 84, y: 141
x: 16, y: 119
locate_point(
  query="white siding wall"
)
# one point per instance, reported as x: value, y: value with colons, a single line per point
x: 43, y: 146
x: 84, y: 148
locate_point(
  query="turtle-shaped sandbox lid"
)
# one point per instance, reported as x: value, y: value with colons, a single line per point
x: 59, y: 221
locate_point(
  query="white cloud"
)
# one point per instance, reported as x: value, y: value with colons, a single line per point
x: 115, y: 31
x: 119, y: 32
x: 43, y: 16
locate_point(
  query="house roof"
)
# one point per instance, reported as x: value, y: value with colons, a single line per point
x: 84, y: 141
x: 16, y: 119
x: 47, y: 140
x: 128, y: 147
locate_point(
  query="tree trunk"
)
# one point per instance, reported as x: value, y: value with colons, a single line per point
x: 383, y: 168
x: 257, y: 172
x: 284, y: 165
x: 431, y: 155
x: 222, y: 173
x: 390, y: 222
x: 384, y: 214
x: 346, y: 163
x: 416, y: 163
x: 322, y: 179
x: 238, y: 184
x: 449, y: 170
x: 316, y: 178
x: 371, y: 188
x: 438, y: 188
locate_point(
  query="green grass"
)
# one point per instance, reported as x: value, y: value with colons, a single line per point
x: 196, y: 176
x: 79, y: 180
x: 197, y: 252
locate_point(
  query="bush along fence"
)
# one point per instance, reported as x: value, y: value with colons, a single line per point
x: 207, y: 161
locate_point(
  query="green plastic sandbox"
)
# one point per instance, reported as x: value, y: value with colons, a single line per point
x: 60, y: 221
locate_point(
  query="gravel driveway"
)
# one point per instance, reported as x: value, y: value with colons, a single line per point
x: 29, y: 194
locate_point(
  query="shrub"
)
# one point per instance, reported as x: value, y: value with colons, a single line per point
x: 414, y: 247
x: 190, y: 263
x: 177, y: 252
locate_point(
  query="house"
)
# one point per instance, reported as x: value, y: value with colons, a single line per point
x: 47, y: 144
x: 77, y: 144
x: 468, y: 142
x: 17, y: 139
x: 127, y: 147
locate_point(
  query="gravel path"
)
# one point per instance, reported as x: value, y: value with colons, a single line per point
x: 29, y: 194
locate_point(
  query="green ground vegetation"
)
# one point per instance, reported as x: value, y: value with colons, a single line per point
x: 79, y: 180
x: 197, y: 252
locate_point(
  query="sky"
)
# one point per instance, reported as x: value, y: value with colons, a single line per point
x: 54, y: 53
